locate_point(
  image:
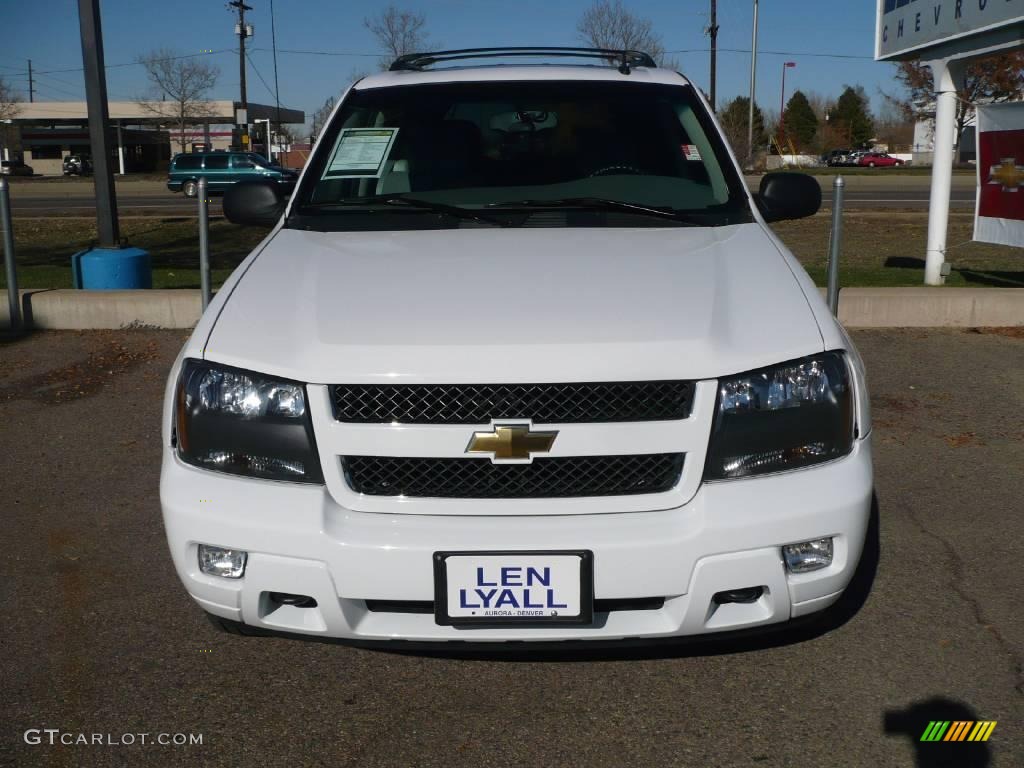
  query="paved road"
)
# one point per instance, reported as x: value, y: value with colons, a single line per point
x: 157, y: 205
x: 99, y: 636
x: 149, y: 198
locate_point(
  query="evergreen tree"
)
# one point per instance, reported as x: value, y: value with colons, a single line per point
x: 853, y: 117
x: 800, y: 124
x: 734, y: 119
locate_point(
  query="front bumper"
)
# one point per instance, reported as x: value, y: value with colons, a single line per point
x: 727, y: 537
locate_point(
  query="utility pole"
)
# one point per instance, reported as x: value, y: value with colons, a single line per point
x: 713, y: 34
x: 243, y: 32
x: 99, y: 119
x: 31, y: 84
x: 753, y: 89
x: 273, y: 45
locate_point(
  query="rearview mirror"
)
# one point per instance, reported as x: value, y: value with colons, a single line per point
x: 788, y: 196
x: 259, y: 203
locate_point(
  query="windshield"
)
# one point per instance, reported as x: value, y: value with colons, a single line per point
x: 513, y: 149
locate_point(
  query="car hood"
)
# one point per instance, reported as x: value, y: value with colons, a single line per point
x: 515, y: 305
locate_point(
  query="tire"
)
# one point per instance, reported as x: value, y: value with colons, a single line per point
x: 871, y: 165
x: 190, y: 188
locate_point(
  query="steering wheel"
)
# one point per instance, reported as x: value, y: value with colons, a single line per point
x: 613, y: 170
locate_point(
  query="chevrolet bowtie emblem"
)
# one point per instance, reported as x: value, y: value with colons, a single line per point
x: 511, y: 442
x: 1007, y: 174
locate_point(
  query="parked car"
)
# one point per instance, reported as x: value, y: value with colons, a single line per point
x: 519, y: 360
x: 77, y: 165
x: 878, y: 159
x: 836, y: 157
x: 222, y: 169
x: 15, y: 168
x: 853, y: 158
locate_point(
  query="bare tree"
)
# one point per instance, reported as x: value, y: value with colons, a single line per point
x: 319, y: 119
x: 992, y: 79
x: 180, y: 85
x: 398, y: 32
x: 607, y: 24
x: 9, y: 100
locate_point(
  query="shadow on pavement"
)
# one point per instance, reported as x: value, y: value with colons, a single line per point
x: 912, y: 722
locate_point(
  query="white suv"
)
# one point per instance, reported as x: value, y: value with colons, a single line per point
x: 519, y: 360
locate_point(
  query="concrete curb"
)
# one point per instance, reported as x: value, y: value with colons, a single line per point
x: 68, y: 309
x: 931, y: 307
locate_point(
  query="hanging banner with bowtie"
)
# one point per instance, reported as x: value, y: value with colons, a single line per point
x: 1000, y: 214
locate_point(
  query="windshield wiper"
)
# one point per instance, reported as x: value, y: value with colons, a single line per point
x: 595, y: 203
x: 415, y: 202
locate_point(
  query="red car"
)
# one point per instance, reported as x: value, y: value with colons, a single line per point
x: 879, y: 159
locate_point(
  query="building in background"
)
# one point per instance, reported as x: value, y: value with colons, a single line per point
x: 43, y: 133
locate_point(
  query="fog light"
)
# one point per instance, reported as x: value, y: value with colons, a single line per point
x: 808, y: 555
x: 226, y: 563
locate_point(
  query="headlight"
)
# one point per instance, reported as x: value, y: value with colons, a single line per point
x: 784, y: 417
x: 244, y: 423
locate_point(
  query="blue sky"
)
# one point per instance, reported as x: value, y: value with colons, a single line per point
x: 47, y: 32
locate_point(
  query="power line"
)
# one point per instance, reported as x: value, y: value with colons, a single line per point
x: 779, y: 53
x: 51, y: 87
x: 62, y: 81
x: 132, y: 63
x: 322, y: 53
x: 253, y: 65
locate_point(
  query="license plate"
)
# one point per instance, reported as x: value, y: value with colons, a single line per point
x: 513, y: 588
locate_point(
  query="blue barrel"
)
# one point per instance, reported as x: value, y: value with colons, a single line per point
x: 111, y: 269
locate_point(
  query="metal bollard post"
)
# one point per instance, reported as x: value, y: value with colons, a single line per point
x: 9, y: 264
x: 204, y: 241
x: 835, y: 244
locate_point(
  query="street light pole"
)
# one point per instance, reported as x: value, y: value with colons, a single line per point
x: 268, y: 139
x: 782, y: 101
x: 753, y: 88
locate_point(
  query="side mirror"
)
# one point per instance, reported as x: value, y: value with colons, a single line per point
x: 788, y: 196
x: 259, y: 203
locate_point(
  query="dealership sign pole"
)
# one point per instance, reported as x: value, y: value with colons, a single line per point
x: 945, y: 35
x: 96, y: 101
x: 109, y: 265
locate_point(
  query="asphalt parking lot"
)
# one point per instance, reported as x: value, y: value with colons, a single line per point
x: 99, y: 636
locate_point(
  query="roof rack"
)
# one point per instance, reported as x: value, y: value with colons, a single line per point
x: 626, y: 59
